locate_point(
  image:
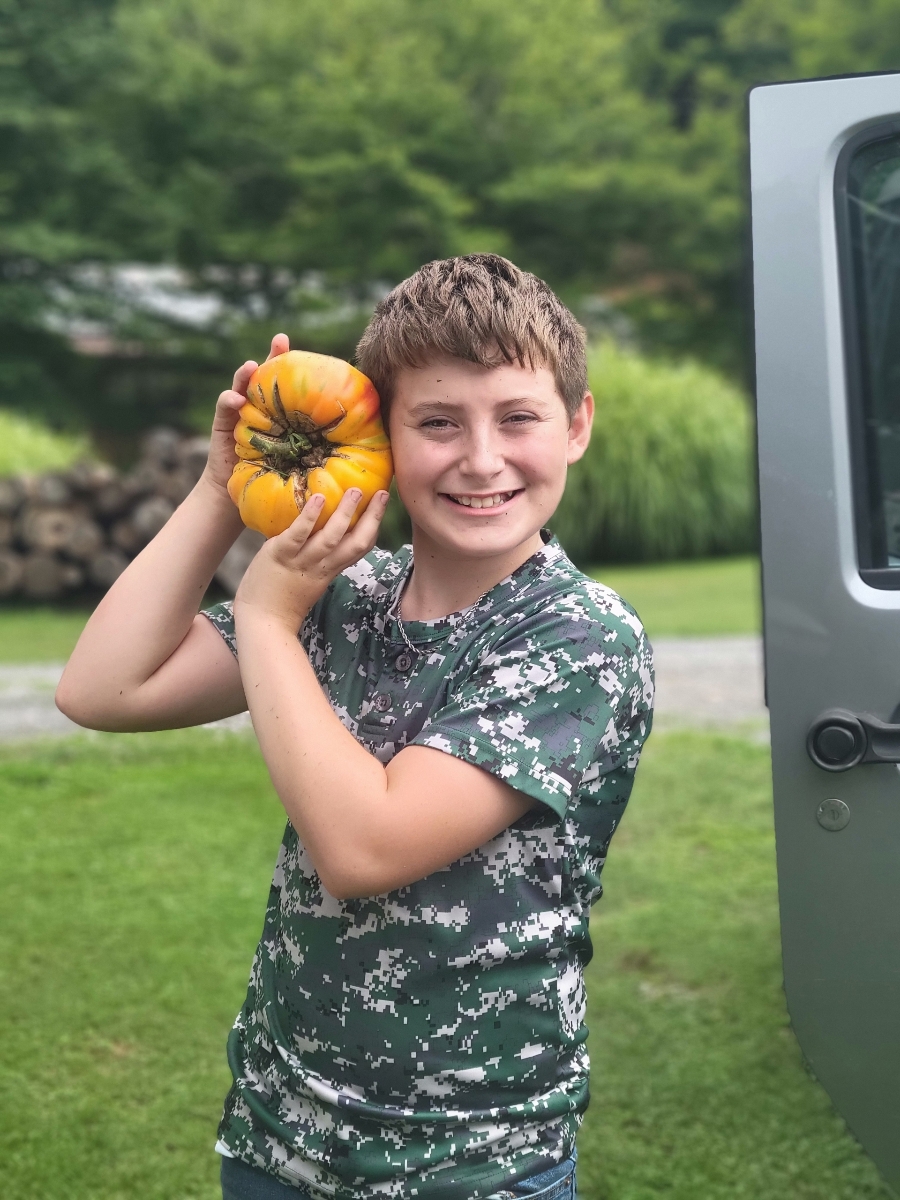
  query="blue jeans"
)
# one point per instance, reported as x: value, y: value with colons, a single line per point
x: 241, y: 1182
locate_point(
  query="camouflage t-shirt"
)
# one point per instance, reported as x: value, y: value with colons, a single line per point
x: 430, y: 1042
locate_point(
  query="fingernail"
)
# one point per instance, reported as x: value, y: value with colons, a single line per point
x: 355, y: 495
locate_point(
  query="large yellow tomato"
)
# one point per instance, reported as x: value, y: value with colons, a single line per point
x: 311, y: 424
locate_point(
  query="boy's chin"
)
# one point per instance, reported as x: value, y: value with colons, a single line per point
x: 481, y: 540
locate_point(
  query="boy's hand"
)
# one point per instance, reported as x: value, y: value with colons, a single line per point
x: 292, y: 570
x: 222, y: 457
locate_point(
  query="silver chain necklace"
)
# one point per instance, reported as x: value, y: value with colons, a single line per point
x: 394, y: 610
x: 394, y: 607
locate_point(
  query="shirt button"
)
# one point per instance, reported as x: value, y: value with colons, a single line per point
x: 382, y: 702
x: 404, y: 662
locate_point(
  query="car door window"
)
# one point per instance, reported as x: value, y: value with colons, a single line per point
x: 869, y: 223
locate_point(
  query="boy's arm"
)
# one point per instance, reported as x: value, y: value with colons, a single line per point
x: 146, y: 659
x: 368, y: 828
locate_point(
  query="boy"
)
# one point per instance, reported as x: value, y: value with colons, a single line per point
x: 453, y: 731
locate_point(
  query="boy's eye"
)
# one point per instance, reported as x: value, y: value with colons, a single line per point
x: 442, y: 424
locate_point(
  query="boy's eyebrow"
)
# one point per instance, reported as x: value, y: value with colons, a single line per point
x: 426, y: 405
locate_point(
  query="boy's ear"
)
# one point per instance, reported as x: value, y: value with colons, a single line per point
x: 580, y: 429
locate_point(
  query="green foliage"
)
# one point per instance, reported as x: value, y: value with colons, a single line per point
x: 668, y: 473
x: 255, y: 144
x: 28, y: 446
x: 826, y: 37
x: 408, y: 129
x: 295, y: 159
x: 134, y: 872
x: 64, y: 188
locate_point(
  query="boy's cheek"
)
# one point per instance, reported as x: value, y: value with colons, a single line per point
x: 416, y: 463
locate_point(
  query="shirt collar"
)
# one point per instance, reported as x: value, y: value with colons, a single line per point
x: 397, y: 572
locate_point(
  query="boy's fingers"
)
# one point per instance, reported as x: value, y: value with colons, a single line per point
x: 302, y: 527
x: 230, y: 400
x: 367, y: 525
x: 378, y: 505
x: 336, y: 534
x: 228, y: 407
x: 362, y: 537
x: 281, y: 343
x: 338, y: 523
x: 242, y: 376
x: 297, y: 534
x: 360, y: 540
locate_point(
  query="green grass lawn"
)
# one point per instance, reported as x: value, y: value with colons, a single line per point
x: 691, y: 599
x: 133, y: 877
x: 714, y: 596
x: 39, y: 633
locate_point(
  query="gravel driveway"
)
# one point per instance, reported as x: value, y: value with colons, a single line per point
x: 710, y: 682
x: 705, y: 682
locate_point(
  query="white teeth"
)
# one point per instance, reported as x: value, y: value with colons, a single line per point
x: 483, y: 501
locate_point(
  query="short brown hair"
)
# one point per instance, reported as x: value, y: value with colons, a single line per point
x: 480, y: 308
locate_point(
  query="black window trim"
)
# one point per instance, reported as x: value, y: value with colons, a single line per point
x: 883, y: 578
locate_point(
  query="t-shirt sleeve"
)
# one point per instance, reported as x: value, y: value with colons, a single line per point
x: 563, y: 698
x: 222, y: 616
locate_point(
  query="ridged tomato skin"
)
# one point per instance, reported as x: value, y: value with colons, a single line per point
x: 311, y: 424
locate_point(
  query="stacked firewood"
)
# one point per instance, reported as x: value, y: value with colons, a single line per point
x: 77, y: 530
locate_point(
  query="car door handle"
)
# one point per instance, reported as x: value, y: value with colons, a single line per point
x: 839, y: 740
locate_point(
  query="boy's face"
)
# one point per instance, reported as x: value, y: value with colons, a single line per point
x: 480, y: 454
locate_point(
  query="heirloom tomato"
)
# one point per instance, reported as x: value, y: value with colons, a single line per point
x: 311, y: 424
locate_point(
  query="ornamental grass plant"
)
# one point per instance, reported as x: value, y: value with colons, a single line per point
x: 669, y: 471
x: 29, y: 446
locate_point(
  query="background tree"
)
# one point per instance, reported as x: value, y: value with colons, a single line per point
x: 294, y: 160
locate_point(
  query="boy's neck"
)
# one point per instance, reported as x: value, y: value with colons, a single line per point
x: 444, y: 583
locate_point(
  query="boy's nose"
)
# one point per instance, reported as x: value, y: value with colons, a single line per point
x: 482, y: 457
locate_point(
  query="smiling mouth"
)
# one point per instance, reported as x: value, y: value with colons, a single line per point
x: 482, y: 502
